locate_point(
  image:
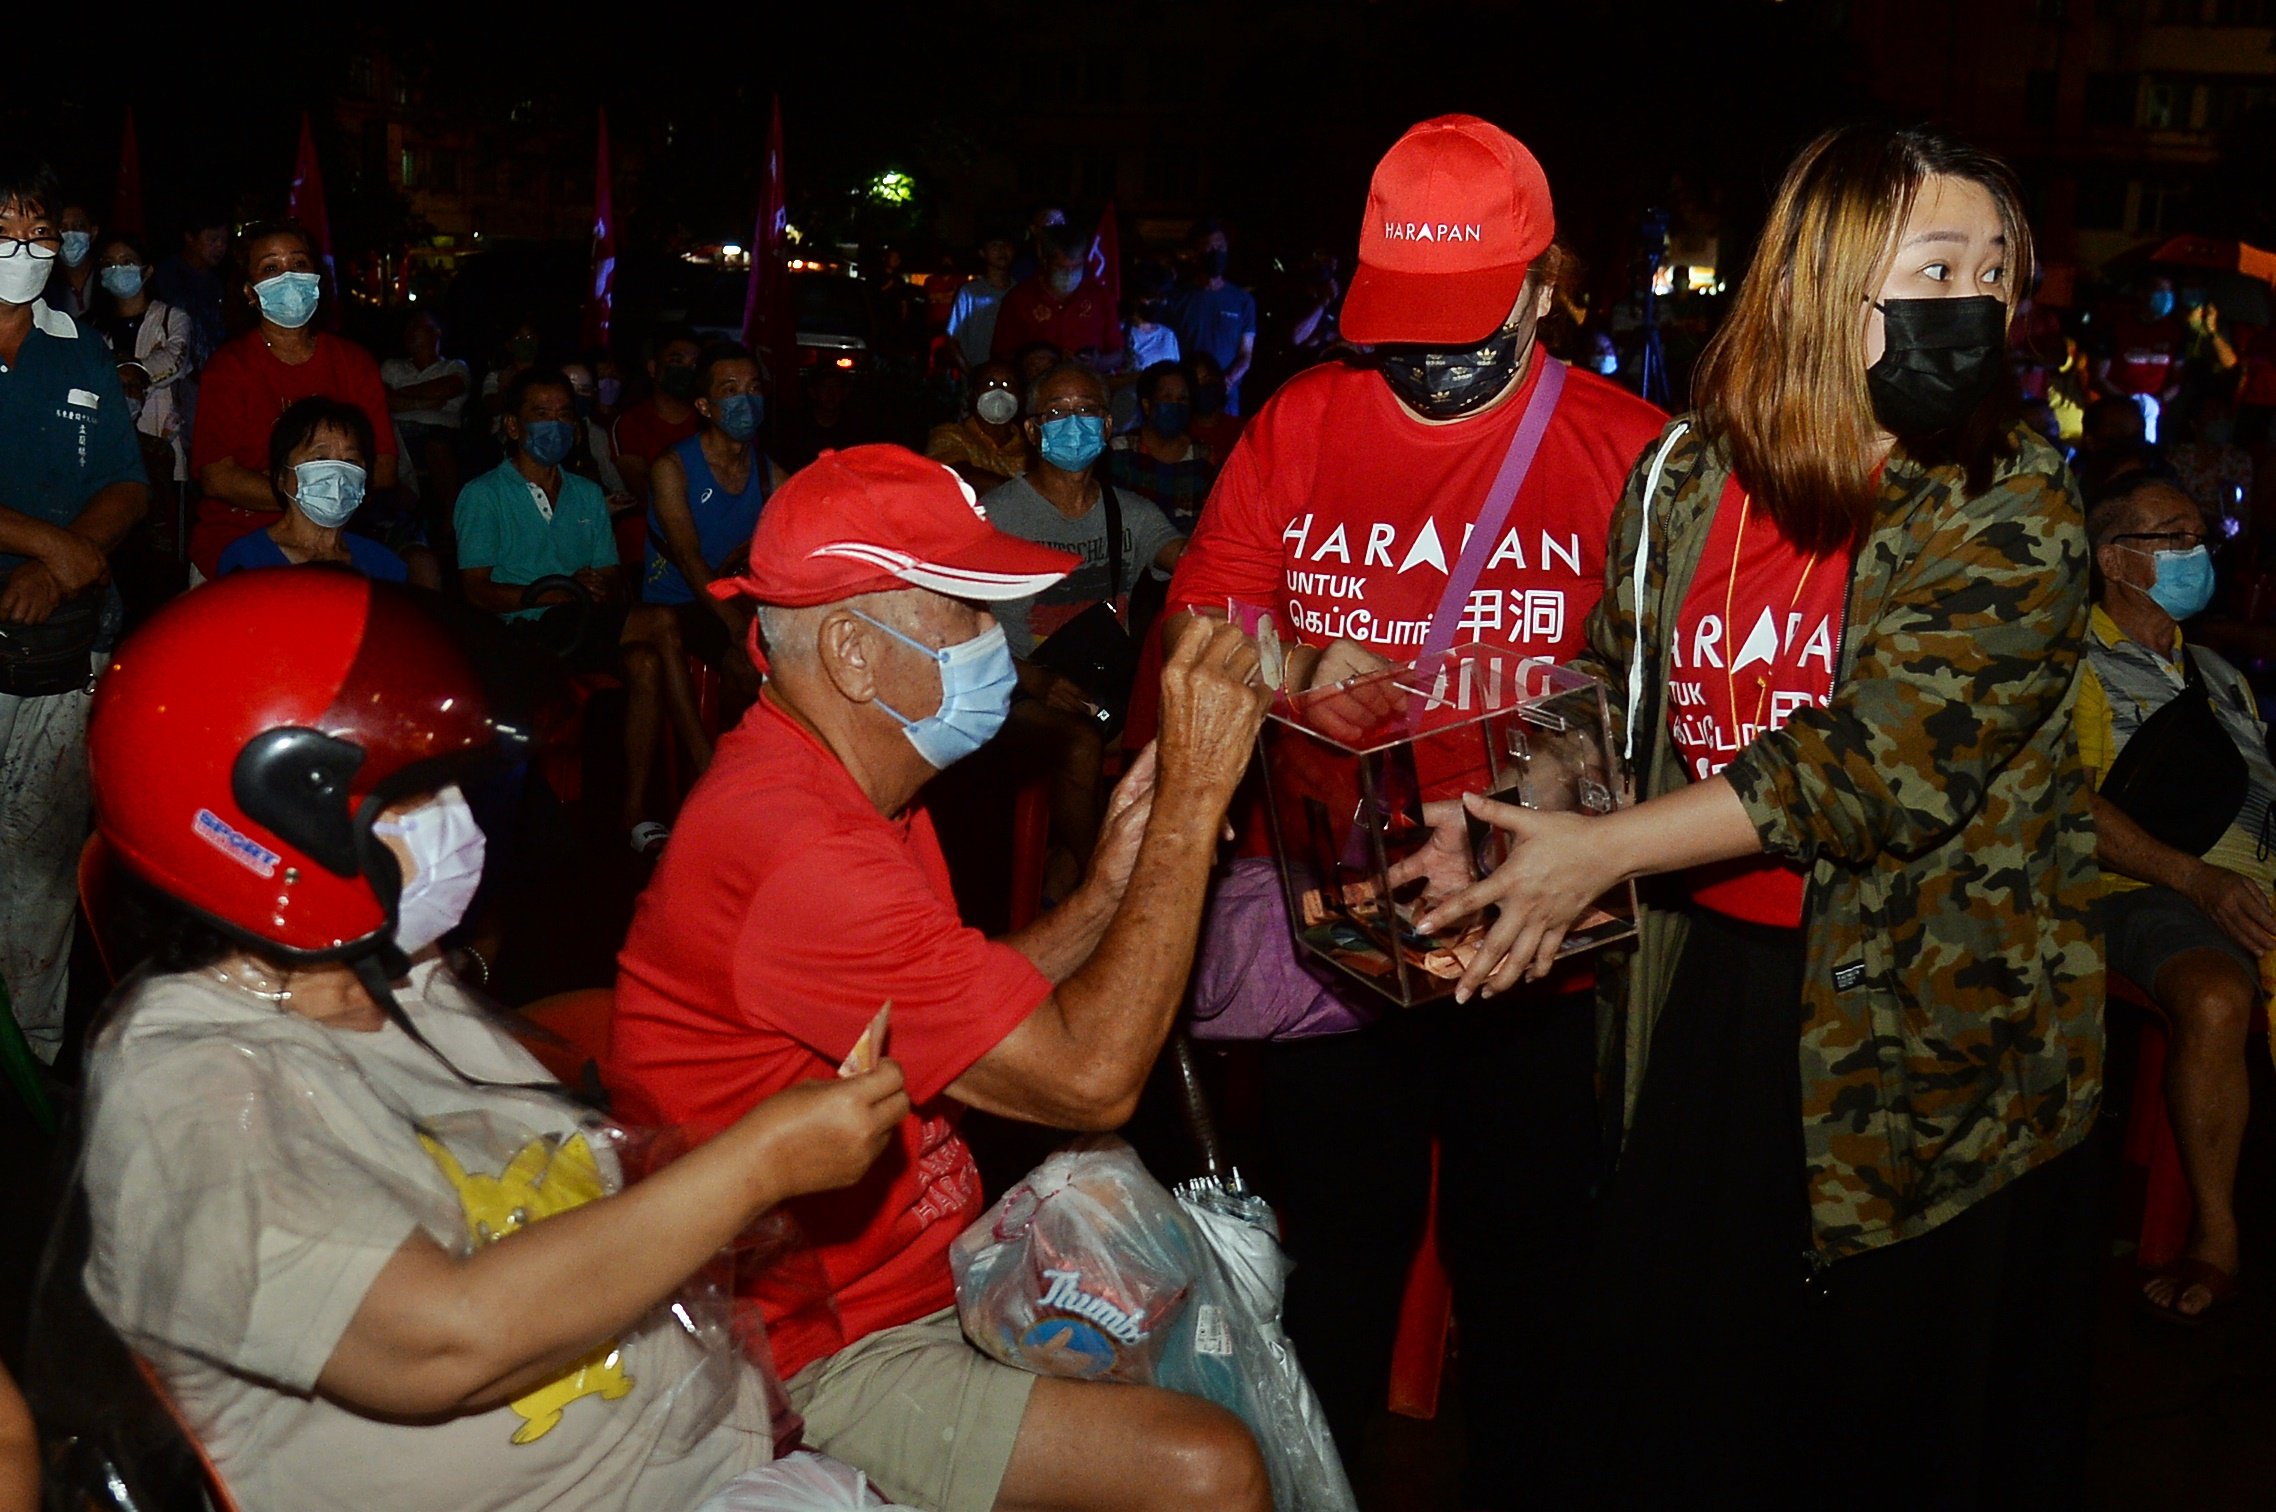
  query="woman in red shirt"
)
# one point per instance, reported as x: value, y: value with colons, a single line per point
x: 254, y: 379
x: 1344, y: 510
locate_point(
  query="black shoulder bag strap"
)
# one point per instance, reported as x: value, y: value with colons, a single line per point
x: 1113, y: 541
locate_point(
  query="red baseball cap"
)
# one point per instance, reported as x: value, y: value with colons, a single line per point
x: 1456, y: 212
x: 871, y: 519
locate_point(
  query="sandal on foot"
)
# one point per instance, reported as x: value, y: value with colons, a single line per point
x: 648, y: 837
x: 2185, y: 1274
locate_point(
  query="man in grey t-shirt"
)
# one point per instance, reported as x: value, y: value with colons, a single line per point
x: 1061, y: 503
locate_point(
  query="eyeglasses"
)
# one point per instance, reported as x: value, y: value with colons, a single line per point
x: 41, y: 247
x: 1092, y: 409
x: 2176, y: 540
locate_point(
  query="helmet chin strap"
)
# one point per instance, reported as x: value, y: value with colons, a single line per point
x: 378, y: 970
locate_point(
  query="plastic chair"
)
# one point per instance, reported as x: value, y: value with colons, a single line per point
x: 98, y: 873
x: 1426, y: 1321
x: 568, y: 1033
x: 23, y: 1068
x: 216, y: 1489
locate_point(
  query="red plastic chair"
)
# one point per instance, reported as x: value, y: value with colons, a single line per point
x: 2150, y: 1145
x: 216, y: 1490
x: 569, y: 1033
x: 97, y: 876
x: 1426, y: 1321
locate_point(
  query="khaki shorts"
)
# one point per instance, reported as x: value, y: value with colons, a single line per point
x: 927, y: 1417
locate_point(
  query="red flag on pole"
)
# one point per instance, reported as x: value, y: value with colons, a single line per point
x: 769, y: 328
x: 600, y: 299
x: 306, y: 205
x: 126, y: 195
x: 1105, y: 262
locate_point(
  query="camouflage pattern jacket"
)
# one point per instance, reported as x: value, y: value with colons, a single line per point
x: 1952, y: 1006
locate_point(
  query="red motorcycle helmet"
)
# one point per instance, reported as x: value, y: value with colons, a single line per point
x: 245, y: 739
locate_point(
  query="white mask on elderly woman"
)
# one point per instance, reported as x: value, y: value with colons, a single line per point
x: 446, y: 849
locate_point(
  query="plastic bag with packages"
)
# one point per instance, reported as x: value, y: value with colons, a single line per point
x: 1089, y: 1268
x: 1079, y: 1270
x: 801, y: 1482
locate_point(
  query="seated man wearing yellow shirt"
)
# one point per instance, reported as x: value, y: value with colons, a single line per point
x: 2187, y: 929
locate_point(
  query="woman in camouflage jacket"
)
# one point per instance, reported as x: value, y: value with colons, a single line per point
x: 1843, y: 1123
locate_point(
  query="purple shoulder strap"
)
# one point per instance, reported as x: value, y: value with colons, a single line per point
x: 1516, y: 463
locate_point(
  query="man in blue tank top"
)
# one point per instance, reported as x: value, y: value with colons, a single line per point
x: 704, y: 502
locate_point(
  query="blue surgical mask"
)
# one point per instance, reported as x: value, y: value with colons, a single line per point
x: 329, y: 492
x: 1170, y: 420
x: 1606, y: 363
x: 546, y: 442
x: 976, y: 682
x: 76, y: 246
x: 737, y: 415
x: 289, y: 299
x: 122, y: 282
x: 2161, y: 303
x: 2184, y: 583
x: 1073, y: 442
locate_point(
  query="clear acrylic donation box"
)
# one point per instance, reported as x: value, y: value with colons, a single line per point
x: 1349, y: 769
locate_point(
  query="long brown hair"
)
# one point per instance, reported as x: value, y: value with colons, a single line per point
x: 1782, y: 384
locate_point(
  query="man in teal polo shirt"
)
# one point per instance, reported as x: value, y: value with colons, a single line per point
x: 529, y: 518
x: 71, y: 486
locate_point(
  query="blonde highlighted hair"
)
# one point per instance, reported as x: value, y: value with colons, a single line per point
x: 1782, y: 384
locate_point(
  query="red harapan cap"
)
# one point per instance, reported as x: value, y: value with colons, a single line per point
x: 1456, y: 212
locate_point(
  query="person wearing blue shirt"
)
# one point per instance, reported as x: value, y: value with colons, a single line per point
x: 1214, y: 316
x: 704, y: 501
x: 529, y: 518
x: 319, y: 456
x: 71, y: 487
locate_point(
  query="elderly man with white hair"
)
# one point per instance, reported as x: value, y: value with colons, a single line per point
x: 804, y: 892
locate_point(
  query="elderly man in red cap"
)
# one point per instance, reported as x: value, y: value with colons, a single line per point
x: 1459, y: 487
x: 804, y: 892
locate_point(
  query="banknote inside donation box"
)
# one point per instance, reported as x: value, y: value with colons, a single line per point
x: 1364, y: 781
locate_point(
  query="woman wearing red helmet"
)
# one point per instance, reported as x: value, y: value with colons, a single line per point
x: 304, y: 1138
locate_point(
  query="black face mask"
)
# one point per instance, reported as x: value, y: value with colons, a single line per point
x: 1213, y: 262
x: 1446, y: 383
x: 1942, y: 358
x: 677, y: 381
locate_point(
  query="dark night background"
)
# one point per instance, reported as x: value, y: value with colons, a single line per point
x: 2129, y: 118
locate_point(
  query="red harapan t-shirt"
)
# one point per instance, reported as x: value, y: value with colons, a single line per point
x: 786, y: 911
x: 1757, y: 638
x: 1344, y: 515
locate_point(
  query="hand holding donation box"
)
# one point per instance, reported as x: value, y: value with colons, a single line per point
x: 1364, y: 780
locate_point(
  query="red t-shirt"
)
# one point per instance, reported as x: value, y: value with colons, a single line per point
x: 641, y: 432
x: 2143, y: 353
x: 785, y: 912
x: 1344, y: 515
x: 1031, y: 312
x: 241, y: 392
x: 1756, y: 639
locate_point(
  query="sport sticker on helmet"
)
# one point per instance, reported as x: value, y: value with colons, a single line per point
x: 235, y: 843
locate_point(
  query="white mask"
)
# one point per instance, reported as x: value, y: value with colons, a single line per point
x: 446, y: 849
x: 25, y: 275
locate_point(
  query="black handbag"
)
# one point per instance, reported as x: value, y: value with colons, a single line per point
x: 1093, y: 650
x: 2181, y: 778
x: 38, y: 661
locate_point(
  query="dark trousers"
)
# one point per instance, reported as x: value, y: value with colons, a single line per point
x: 1716, y: 1366
x: 1507, y: 1087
